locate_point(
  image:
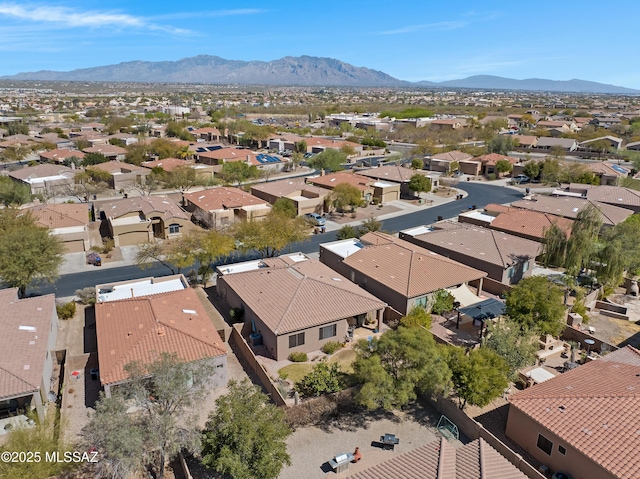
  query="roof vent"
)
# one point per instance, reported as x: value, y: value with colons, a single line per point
x: 190, y: 311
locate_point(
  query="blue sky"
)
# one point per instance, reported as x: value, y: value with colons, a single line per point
x: 411, y: 40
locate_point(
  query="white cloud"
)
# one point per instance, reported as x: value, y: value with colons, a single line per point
x: 438, y: 26
x: 209, y: 13
x: 69, y: 17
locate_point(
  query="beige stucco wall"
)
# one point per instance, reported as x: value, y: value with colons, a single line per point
x: 524, y: 431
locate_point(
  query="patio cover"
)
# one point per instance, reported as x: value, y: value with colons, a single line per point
x: 487, y: 309
x: 464, y: 295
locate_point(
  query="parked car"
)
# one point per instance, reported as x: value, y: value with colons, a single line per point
x: 521, y: 179
x: 315, y: 219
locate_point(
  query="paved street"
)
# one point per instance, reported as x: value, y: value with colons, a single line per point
x: 478, y: 194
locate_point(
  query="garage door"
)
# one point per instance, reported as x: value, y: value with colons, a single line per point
x: 135, y: 237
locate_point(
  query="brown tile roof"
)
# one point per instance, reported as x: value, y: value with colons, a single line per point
x: 493, y: 158
x: 568, y: 207
x: 395, y: 173
x: 407, y: 268
x: 495, y: 208
x: 288, y: 187
x: 106, y: 150
x: 525, y: 140
x: 167, y: 164
x: 529, y: 223
x: 140, y: 329
x: 330, y: 181
x: 594, y: 408
x: 228, y: 154
x: 614, y: 195
x: 41, y: 171
x: 211, y: 130
x: 61, y: 155
x: 115, y: 166
x: 222, y: 198
x: 148, y: 205
x: 485, y: 244
x: 62, y: 215
x: 23, y: 351
x: 452, y: 156
x: 441, y: 460
x: 301, y: 295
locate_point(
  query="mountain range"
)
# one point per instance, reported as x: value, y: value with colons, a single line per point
x: 302, y: 71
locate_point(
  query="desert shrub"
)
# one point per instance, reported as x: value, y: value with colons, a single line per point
x: 86, y: 295
x: 323, y: 379
x: 67, y: 310
x: 417, y: 318
x: 108, y: 245
x: 347, y: 231
x: 442, y: 301
x: 331, y: 347
x: 298, y: 357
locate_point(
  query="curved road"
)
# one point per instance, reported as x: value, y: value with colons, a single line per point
x: 478, y: 194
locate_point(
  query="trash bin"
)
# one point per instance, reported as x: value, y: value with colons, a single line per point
x: 95, y: 374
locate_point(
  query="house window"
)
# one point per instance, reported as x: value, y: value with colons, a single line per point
x: 421, y: 302
x: 544, y: 444
x: 296, y: 340
x: 510, y: 272
x: 328, y: 331
x: 562, y: 450
x: 525, y: 266
x: 174, y: 228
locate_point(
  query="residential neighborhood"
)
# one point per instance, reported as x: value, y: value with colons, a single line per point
x: 446, y: 292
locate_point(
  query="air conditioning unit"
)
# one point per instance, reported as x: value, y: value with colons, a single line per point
x: 545, y: 471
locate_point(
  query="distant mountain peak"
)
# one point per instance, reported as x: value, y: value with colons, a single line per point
x: 304, y: 70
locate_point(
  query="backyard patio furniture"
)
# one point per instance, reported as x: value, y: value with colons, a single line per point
x: 389, y: 441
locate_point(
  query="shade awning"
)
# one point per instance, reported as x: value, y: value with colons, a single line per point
x: 487, y: 309
x: 464, y: 295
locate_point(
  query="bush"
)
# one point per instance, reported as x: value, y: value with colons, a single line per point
x: 109, y: 244
x: 86, y: 295
x: 417, y: 318
x: 323, y: 379
x: 331, y: 347
x: 491, y: 176
x: 298, y: 357
x: 442, y: 301
x: 237, y: 315
x: 66, y: 311
x: 346, y: 232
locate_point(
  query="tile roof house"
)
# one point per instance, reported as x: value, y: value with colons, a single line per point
x: 143, y: 328
x: 123, y: 175
x: 27, y: 349
x: 584, y: 422
x: 307, y: 198
x: 490, y: 160
x: 68, y: 221
x: 606, y: 194
x: 546, y: 143
x: 613, y: 141
x: 370, y: 188
x: 220, y: 207
x: 568, y: 207
x: 207, y: 134
x: 400, y: 174
x: 443, y: 161
x: 441, y: 460
x: 609, y: 173
x: 525, y: 141
x: 504, y: 257
x: 203, y: 171
x: 516, y: 221
x: 398, y: 272
x: 295, y: 303
x: 141, y: 219
x: 112, y: 152
x: 45, y: 178
x: 59, y: 156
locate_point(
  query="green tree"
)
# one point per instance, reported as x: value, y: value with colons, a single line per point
x: 94, y: 159
x: 245, y: 437
x: 236, y: 172
x: 500, y: 144
x: 442, y: 301
x: 119, y: 437
x: 369, y: 225
x: 137, y: 153
x: 517, y: 348
x: 91, y: 181
x: 175, y: 254
x: 416, y: 318
x: 285, y: 206
x: 210, y: 246
x: 301, y: 146
x: 346, y: 195
x: 13, y: 193
x: 582, y: 243
x: 324, y: 378
x: 394, y: 368
x: 417, y: 164
x: 532, y: 169
x: 347, y: 231
x: 16, y: 128
x: 504, y: 166
x: 478, y: 377
x: 328, y: 160
x: 536, y: 304
x: 551, y: 171
x: 270, y: 236
x: 27, y: 251
x: 182, y: 179
x: 420, y: 184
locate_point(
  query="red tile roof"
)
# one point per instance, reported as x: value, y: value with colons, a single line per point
x: 293, y: 297
x: 593, y: 408
x: 26, y: 326
x: 61, y: 155
x: 407, y: 268
x: 452, y: 156
x: 363, y: 183
x: 140, y: 329
x: 167, y: 164
x: 222, y: 198
x: 441, y: 460
x: 529, y: 223
x: 148, y: 205
x: 493, y: 158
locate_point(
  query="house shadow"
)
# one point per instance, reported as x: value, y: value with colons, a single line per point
x: 92, y: 385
